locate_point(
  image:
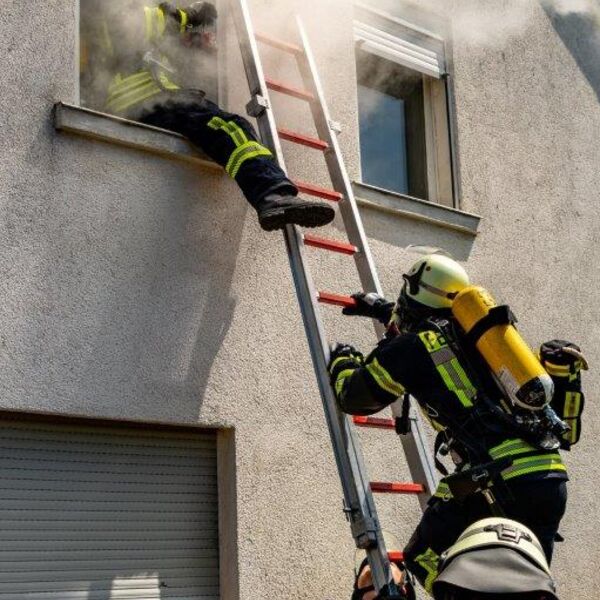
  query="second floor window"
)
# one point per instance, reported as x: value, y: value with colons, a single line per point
x: 402, y: 105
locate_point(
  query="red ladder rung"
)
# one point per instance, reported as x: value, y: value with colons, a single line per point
x: 305, y: 140
x: 315, y: 190
x: 326, y: 244
x: 396, y: 556
x: 279, y: 44
x: 375, y: 422
x: 389, y: 487
x: 277, y: 86
x: 337, y: 299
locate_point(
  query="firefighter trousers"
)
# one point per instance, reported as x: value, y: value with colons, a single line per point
x: 229, y: 139
x: 537, y: 504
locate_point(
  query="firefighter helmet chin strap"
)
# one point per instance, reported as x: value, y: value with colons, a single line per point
x: 415, y: 281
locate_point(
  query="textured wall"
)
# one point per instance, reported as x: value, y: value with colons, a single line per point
x: 137, y: 288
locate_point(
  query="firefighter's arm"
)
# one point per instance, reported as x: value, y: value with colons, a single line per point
x: 364, y: 386
x: 564, y: 362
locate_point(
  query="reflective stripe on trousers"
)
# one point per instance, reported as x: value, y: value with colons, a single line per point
x: 244, y: 149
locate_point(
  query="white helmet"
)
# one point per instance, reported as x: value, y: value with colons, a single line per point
x: 495, y: 557
x: 435, y: 280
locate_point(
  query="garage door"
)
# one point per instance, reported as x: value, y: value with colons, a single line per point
x: 102, y: 513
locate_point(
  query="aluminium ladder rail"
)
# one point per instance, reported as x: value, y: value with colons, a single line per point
x: 359, y: 505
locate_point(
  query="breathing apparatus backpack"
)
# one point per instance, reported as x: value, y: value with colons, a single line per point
x: 514, y: 389
x: 490, y: 328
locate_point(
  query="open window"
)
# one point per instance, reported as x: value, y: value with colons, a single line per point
x: 114, y: 42
x: 404, y: 119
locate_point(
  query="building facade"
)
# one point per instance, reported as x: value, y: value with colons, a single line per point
x: 162, y: 428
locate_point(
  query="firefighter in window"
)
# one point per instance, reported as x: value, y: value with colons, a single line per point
x: 147, y: 50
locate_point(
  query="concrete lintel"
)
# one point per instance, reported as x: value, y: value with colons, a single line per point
x: 406, y: 207
x: 108, y: 128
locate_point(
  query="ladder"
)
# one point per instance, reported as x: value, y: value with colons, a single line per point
x: 359, y: 505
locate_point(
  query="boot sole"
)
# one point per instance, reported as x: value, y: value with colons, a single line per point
x: 310, y: 215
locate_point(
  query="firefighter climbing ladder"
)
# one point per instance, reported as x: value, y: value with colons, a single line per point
x: 358, y: 499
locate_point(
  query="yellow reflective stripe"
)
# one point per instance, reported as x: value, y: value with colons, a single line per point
x: 162, y: 24
x: 237, y: 134
x: 248, y: 156
x: 383, y: 379
x: 572, y: 404
x: 534, y: 464
x: 339, y: 359
x: 462, y: 375
x: 149, y: 22
x: 556, y: 370
x: 510, y: 447
x: 461, y: 394
x: 126, y: 87
x: 443, y: 491
x: 134, y: 97
x: 432, y: 341
x: 119, y: 81
x: 429, y: 562
x: 154, y: 16
x: 184, y: 20
x: 166, y: 83
x: 341, y: 378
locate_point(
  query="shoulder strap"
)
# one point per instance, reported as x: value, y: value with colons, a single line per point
x: 403, y: 421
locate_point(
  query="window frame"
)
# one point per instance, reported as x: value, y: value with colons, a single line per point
x: 441, y: 150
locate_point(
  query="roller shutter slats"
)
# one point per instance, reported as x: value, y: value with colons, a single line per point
x: 395, y: 40
x: 93, y: 513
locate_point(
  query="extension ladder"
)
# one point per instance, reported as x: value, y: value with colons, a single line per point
x: 359, y: 505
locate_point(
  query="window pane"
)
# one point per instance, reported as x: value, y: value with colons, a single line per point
x: 392, y: 125
x: 382, y: 139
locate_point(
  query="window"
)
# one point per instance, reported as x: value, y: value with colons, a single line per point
x: 114, y: 42
x: 402, y: 105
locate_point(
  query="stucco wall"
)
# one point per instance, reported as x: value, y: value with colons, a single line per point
x: 133, y: 287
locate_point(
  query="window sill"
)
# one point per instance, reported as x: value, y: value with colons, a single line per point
x: 131, y: 134
x: 406, y: 207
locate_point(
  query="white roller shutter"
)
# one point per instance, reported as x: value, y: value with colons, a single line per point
x: 395, y: 40
x: 102, y: 513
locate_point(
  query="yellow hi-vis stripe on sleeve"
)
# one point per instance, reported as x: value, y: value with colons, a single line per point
x: 184, y: 19
x: 341, y: 378
x: 384, y: 380
x: 149, y: 22
x: 429, y: 561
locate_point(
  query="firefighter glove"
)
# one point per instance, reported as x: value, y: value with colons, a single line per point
x: 370, y: 305
x: 561, y: 353
x: 201, y: 13
x: 342, y: 357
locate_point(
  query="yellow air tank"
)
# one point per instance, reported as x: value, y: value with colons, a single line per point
x: 515, y: 367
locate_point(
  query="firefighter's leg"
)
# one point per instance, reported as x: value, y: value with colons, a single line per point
x: 230, y: 140
x: 439, y: 528
x: 539, y: 505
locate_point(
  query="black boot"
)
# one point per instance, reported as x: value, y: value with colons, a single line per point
x: 276, y: 211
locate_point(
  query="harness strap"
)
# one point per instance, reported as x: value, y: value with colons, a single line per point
x: 499, y: 315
